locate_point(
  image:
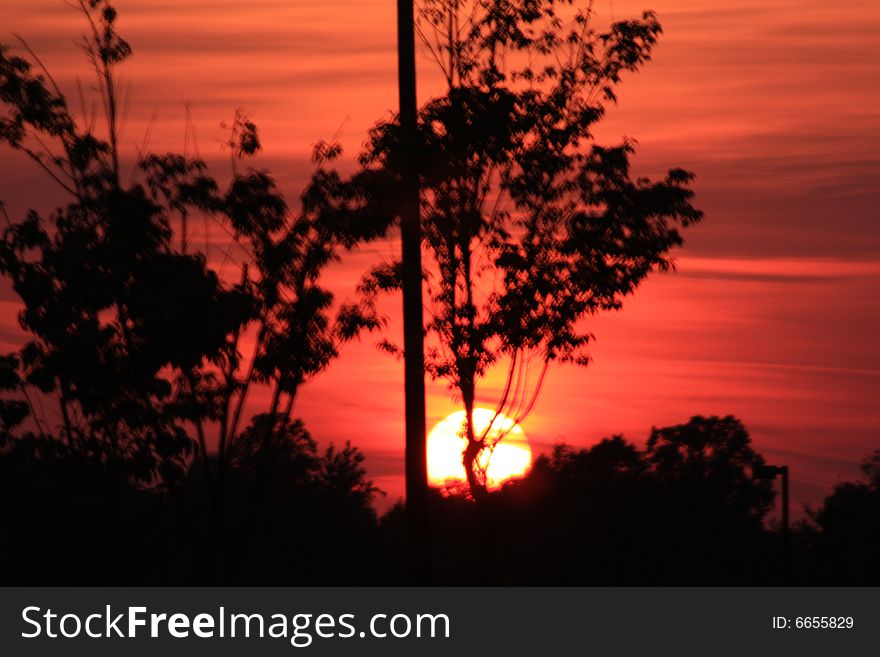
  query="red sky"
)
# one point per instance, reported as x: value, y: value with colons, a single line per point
x: 773, y: 313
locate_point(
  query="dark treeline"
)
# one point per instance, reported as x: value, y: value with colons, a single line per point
x: 683, y: 510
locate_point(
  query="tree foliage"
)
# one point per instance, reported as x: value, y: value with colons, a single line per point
x: 530, y: 226
x: 145, y: 346
x: 844, y: 533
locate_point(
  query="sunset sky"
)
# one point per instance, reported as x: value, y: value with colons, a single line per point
x: 774, y: 312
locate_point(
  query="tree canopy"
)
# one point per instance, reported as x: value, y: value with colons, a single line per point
x: 530, y: 226
x: 141, y: 345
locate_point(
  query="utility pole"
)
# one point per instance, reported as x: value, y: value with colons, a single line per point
x: 770, y: 472
x: 413, y: 332
x: 786, y: 530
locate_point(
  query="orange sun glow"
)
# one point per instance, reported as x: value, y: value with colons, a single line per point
x: 511, y: 457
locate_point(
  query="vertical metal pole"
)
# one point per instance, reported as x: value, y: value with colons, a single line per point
x: 413, y: 338
x: 786, y: 535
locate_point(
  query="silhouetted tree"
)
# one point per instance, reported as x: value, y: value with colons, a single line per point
x: 132, y: 334
x: 530, y: 227
x: 133, y: 337
x: 710, y: 506
x: 848, y: 523
x: 717, y: 453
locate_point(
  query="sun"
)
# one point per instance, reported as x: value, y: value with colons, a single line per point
x: 511, y: 458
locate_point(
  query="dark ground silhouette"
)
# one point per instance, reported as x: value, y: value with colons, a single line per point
x: 685, y: 510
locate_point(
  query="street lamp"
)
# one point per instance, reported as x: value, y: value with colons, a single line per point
x: 770, y: 472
